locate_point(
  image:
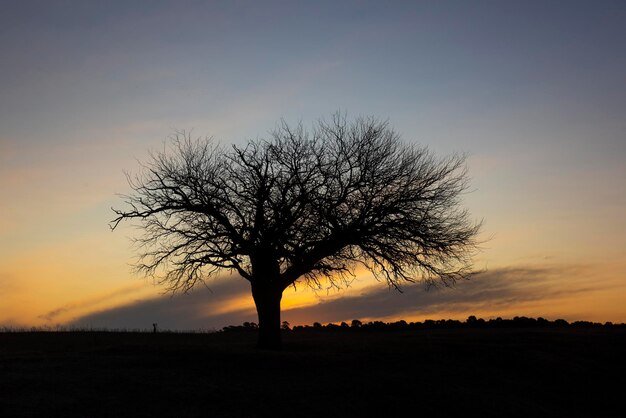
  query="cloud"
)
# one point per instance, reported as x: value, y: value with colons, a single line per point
x: 202, y: 308
x: 90, y: 303
x: 494, y: 290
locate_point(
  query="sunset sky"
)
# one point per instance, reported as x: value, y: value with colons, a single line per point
x: 533, y: 91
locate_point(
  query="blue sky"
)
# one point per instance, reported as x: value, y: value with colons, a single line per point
x: 533, y: 91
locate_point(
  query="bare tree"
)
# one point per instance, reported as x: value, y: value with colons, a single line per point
x: 301, y: 206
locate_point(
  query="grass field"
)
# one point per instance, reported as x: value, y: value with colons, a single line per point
x: 439, y: 372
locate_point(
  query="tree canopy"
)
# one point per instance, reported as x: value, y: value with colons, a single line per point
x: 301, y: 206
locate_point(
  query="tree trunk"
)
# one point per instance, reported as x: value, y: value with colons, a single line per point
x: 267, y: 300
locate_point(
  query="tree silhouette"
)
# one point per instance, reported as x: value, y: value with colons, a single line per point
x: 301, y: 206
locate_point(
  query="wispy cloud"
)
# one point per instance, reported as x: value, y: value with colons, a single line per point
x: 495, y: 290
x: 181, y: 311
x: 89, y: 303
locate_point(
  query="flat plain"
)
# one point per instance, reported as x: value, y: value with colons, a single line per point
x: 351, y: 373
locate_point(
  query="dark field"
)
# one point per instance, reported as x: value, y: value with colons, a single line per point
x: 454, y: 372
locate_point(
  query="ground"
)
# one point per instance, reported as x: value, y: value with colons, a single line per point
x: 438, y: 372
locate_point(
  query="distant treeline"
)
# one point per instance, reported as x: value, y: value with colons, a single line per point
x: 354, y: 325
x: 470, y: 322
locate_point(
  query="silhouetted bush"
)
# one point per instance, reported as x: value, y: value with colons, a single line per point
x: 561, y: 323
